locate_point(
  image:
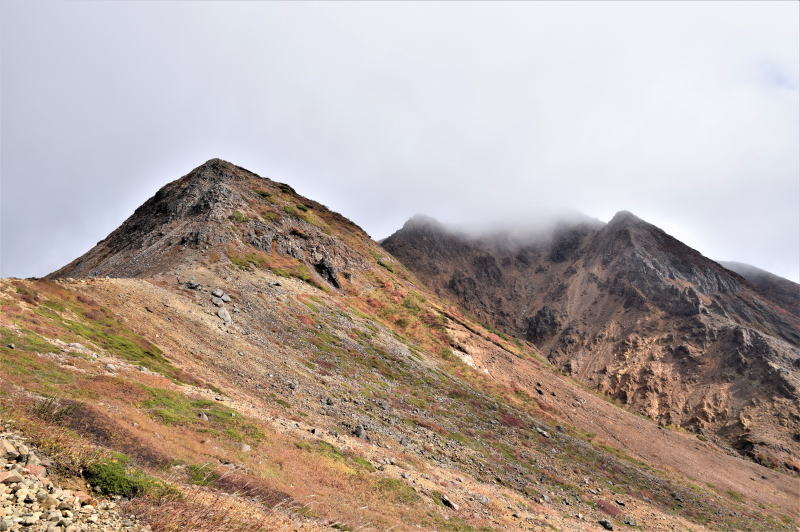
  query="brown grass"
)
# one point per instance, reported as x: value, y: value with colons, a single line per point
x: 199, y: 510
x: 609, y: 508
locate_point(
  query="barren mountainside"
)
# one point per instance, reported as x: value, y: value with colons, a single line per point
x: 237, y: 357
x: 781, y: 291
x: 638, y: 315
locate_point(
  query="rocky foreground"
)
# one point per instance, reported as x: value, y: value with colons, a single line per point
x: 30, y: 501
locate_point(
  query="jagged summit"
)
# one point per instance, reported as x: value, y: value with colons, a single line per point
x: 421, y: 221
x: 624, y: 217
x: 220, y: 209
x: 636, y: 313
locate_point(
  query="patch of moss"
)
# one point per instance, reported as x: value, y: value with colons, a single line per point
x: 55, y: 305
x: 25, y: 340
x: 202, y: 475
x: 270, y: 216
x: 43, y: 374
x: 736, y: 496
x: 279, y: 400
x: 173, y: 408
x: 112, y: 336
x: 100, y: 327
x: 321, y: 447
x: 437, y: 496
x: 113, y: 476
x: 397, y: 491
x: 279, y: 265
x: 238, y: 217
x: 291, y: 210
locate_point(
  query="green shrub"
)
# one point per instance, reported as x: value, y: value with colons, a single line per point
x: 238, y: 217
x: 113, y: 476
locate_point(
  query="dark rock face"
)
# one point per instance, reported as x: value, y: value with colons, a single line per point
x: 327, y: 271
x: 544, y: 324
x: 201, y: 215
x: 637, y: 314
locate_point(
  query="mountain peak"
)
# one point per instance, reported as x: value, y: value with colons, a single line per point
x: 219, y: 170
x: 625, y: 218
x: 214, y: 209
x: 419, y: 221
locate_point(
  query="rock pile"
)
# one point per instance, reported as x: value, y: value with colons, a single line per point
x: 30, y: 501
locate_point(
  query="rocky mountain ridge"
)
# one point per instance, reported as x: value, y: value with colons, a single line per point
x: 637, y: 314
x: 215, y: 205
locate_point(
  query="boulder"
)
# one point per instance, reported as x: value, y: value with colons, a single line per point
x: 10, y: 477
x: 447, y: 502
x: 224, y: 315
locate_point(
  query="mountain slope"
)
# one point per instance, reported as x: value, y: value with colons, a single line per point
x: 260, y: 355
x: 780, y: 291
x: 636, y: 314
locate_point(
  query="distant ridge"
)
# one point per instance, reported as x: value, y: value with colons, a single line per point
x: 773, y: 287
x: 637, y: 314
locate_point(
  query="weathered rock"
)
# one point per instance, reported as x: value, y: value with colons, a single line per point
x: 447, y: 502
x: 7, y: 450
x: 483, y: 499
x: 10, y: 477
x: 224, y: 315
x: 605, y: 523
x: 30, y: 520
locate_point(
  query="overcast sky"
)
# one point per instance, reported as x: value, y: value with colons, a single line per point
x: 684, y: 113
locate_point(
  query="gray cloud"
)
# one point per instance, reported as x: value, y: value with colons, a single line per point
x: 684, y: 113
